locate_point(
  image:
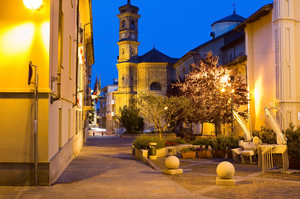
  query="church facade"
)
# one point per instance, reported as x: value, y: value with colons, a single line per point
x: 150, y: 73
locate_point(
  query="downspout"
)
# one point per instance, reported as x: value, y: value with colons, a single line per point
x: 77, y: 65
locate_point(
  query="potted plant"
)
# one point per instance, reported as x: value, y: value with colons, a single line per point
x: 203, y: 151
x: 188, y: 152
x: 293, y: 143
x: 219, y: 146
x: 232, y: 143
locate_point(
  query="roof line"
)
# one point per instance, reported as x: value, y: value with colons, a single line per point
x: 255, y: 16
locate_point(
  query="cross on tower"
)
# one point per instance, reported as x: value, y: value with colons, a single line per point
x: 234, y: 7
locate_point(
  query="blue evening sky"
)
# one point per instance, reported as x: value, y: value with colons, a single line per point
x: 173, y: 26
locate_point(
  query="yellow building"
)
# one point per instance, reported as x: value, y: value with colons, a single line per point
x: 36, y: 148
x: 149, y: 73
x: 272, y: 46
x: 229, y: 46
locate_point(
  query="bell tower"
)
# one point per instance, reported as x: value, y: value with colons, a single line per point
x: 128, y: 33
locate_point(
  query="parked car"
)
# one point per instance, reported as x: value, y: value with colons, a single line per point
x: 120, y: 131
x: 94, y: 130
x: 149, y: 130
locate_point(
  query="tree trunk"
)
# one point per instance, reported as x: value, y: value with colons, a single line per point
x: 160, y: 133
x: 218, y: 128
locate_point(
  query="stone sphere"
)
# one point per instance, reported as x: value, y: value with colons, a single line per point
x: 172, y: 162
x: 225, y: 170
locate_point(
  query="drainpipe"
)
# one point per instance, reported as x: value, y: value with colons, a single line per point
x: 77, y: 65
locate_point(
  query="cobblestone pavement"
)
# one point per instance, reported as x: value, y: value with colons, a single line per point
x: 105, y: 168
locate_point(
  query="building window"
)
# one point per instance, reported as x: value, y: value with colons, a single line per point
x: 123, y: 24
x: 155, y: 86
x: 132, y: 24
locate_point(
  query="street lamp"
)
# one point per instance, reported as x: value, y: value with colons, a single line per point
x: 33, y: 4
x: 232, y: 91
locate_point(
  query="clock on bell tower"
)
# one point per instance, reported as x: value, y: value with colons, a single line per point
x: 128, y: 32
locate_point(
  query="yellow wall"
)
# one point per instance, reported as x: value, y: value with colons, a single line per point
x: 261, y: 72
x: 24, y: 37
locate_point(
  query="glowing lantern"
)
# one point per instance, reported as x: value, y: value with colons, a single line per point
x: 33, y: 4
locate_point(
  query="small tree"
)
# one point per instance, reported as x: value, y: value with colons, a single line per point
x: 161, y: 110
x: 211, y: 91
x: 130, y: 119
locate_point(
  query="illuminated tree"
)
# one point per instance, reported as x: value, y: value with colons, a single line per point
x: 162, y: 110
x: 212, y: 91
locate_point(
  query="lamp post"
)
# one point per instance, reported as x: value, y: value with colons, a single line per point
x: 232, y: 117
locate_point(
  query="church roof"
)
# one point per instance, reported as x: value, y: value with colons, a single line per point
x: 231, y: 18
x: 156, y: 56
x: 255, y: 16
x: 128, y: 7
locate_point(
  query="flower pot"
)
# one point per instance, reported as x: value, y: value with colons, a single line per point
x: 204, y: 153
x: 189, y: 155
x: 294, y: 163
x: 229, y: 153
x: 218, y: 153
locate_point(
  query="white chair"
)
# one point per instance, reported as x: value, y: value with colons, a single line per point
x: 237, y: 152
x: 248, y: 151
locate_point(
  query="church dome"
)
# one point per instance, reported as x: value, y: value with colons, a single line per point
x: 231, y: 18
x: 226, y: 24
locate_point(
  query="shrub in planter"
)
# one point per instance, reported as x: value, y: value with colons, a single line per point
x: 188, y: 152
x: 142, y: 142
x: 202, y: 141
x: 266, y: 135
x: 219, y: 146
x: 174, y: 142
x: 203, y: 152
x: 293, y: 143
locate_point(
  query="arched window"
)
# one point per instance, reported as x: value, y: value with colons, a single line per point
x: 123, y: 24
x: 132, y: 24
x: 155, y: 86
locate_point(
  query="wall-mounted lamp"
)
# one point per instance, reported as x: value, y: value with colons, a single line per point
x: 33, y: 4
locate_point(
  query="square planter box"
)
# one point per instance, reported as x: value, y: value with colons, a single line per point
x: 189, y: 155
x: 294, y: 163
x: 218, y: 153
x: 204, y: 153
x: 171, y: 150
x: 140, y: 153
x: 160, y: 153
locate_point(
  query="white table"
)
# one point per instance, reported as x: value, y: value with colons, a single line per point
x: 267, y: 156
